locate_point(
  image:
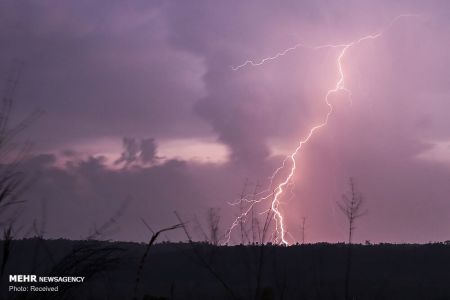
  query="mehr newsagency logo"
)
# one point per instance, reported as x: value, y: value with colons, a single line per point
x: 26, y: 282
x: 35, y: 278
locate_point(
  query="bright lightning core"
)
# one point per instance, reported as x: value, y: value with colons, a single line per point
x: 277, y: 193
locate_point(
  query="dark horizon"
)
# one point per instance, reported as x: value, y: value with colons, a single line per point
x: 146, y: 114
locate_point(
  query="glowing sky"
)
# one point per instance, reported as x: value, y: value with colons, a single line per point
x: 142, y: 105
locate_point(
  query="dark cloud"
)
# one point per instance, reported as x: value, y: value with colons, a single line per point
x: 135, y: 151
x: 86, y: 193
x: 93, y: 73
x: 148, y: 150
x: 130, y: 151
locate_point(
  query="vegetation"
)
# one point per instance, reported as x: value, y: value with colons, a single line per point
x: 310, y: 271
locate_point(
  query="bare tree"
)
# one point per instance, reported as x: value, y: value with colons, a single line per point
x: 147, y: 249
x: 241, y: 209
x: 255, y: 222
x: 204, y: 262
x: 303, y: 229
x: 12, y: 180
x: 261, y: 255
x: 351, y: 206
x: 213, y: 220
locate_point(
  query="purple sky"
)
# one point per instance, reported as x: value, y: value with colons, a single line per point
x: 142, y: 107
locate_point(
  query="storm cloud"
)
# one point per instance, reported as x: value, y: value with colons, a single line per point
x: 163, y: 69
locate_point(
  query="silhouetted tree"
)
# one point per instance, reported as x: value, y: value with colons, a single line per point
x: 11, y: 179
x: 351, y: 206
x: 204, y: 262
x: 255, y: 221
x: 213, y: 222
x: 147, y: 249
x: 242, y: 222
x: 303, y: 229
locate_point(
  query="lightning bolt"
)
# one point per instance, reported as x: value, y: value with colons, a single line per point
x: 277, y: 193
